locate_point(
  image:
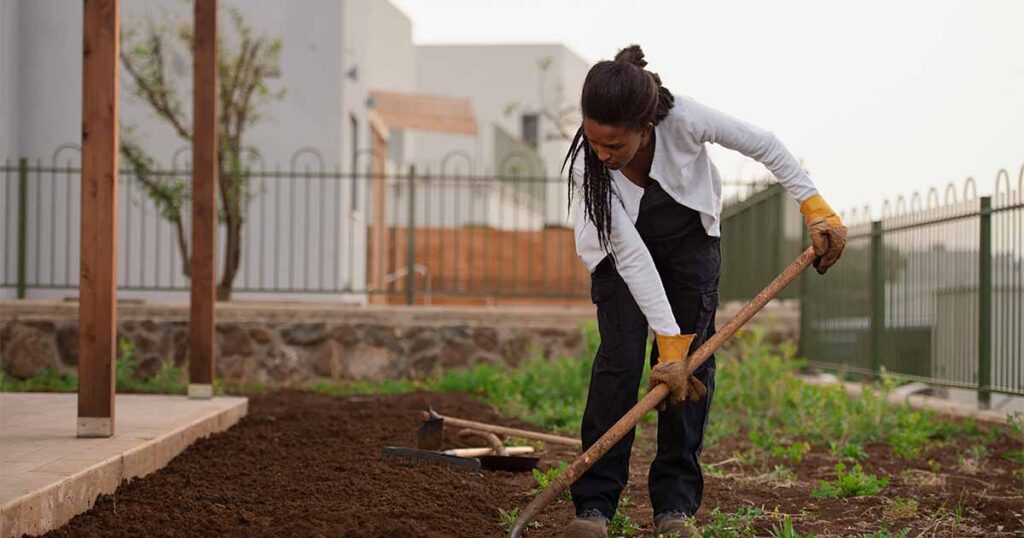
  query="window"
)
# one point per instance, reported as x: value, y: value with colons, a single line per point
x: 353, y: 122
x: 531, y: 130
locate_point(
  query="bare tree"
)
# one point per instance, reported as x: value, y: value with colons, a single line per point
x: 562, y: 115
x: 245, y: 62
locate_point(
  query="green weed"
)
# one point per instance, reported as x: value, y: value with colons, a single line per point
x: 543, y: 479
x: 850, y: 484
x: 622, y: 526
x: 738, y: 525
x: 786, y: 530
x: 852, y: 451
x: 509, y: 517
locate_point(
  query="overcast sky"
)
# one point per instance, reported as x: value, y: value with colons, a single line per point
x: 878, y: 97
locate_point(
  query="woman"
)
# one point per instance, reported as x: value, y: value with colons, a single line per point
x: 647, y: 228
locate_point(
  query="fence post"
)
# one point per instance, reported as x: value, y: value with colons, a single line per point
x: 410, y: 241
x: 877, y: 296
x: 22, y: 223
x: 985, y: 304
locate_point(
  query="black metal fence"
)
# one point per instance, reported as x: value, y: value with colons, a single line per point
x: 932, y: 291
x: 309, y: 231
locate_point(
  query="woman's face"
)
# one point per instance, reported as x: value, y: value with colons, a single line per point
x: 615, y: 145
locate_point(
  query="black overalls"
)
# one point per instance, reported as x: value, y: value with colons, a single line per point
x: 688, y: 262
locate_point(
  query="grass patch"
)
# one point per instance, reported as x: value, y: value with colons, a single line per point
x: 900, y: 508
x: 739, y: 524
x: 169, y: 379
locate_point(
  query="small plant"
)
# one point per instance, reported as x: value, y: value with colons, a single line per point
x: 621, y: 525
x: 786, y: 530
x: 978, y: 452
x: 853, y: 451
x: 543, y: 479
x: 739, y: 524
x: 781, y: 475
x: 934, y: 466
x: 794, y: 452
x: 853, y: 484
x: 886, y: 533
x: 900, y: 508
x: 1016, y: 421
x: 509, y: 517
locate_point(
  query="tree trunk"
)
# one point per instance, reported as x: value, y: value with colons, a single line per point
x: 232, y: 256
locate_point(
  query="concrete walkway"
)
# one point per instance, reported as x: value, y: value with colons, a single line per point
x: 47, y: 475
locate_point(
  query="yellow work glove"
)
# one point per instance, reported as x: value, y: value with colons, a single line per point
x: 673, y: 370
x: 827, y: 233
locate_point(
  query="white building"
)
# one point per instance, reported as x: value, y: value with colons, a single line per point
x: 328, y: 62
x: 524, y: 93
x: 300, y: 234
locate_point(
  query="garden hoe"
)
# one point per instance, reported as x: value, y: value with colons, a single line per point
x: 628, y: 422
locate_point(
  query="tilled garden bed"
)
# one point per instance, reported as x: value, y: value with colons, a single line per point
x: 305, y: 464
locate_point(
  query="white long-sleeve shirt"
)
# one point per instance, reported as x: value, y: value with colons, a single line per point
x: 684, y: 169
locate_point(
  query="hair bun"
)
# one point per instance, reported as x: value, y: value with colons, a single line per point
x: 632, y: 54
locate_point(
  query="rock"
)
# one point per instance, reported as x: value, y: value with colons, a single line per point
x: 517, y: 348
x: 28, y: 353
x: 573, y: 340
x: 327, y: 362
x: 180, y: 347
x: 233, y: 340
x: 236, y: 369
x: 148, y: 366
x: 42, y: 325
x: 67, y: 344
x: 260, y: 335
x: 281, y: 364
x: 423, y: 343
x: 455, y: 355
x: 412, y: 332
x: 345, y: 335
x: 423, y: 365
x: 486, y: 338
x: 305, y: 334
x: 381, y: 336
x: 144, y: 344
x: 455, y: 334
x: 368, y: 362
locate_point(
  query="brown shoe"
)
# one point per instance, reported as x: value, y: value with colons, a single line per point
x: 673, y: 524
x: 589, y: 524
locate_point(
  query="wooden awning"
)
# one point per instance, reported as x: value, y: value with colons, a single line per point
x: 424, y: 112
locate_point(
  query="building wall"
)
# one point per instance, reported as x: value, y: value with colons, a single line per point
x: 309, y: 128
x: 503, y: 82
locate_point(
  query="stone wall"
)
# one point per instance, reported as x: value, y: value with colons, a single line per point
x: 289, y: 344
x: 283, y: 344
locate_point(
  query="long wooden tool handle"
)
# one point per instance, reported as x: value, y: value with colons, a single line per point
x: 476, y: 452
x: 525, y: 434
x: 657, y: 394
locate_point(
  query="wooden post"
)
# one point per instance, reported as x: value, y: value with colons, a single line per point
x: 204, y: 208
x: 379, y: 240
x: 97, y: 306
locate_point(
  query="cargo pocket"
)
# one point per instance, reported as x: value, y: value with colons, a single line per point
x: 603, y: 283
x: 708, y: 305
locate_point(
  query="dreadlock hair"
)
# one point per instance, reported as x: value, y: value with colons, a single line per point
x: 617, y: 92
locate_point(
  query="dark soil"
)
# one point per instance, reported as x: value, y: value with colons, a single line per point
x: 309, y: 465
